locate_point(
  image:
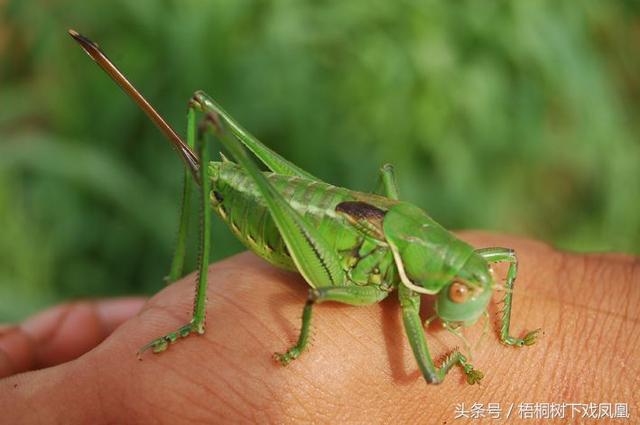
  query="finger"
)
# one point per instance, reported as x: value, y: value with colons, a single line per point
x: 62, y: 333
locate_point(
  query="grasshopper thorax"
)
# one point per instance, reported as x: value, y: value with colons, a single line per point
x: 431, y: 260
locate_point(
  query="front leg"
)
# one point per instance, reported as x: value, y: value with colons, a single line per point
x: 352, y: 295
x: 494, y: 255
x: 410, y: 302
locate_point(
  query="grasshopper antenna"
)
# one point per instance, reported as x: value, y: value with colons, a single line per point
x: 92, y: 49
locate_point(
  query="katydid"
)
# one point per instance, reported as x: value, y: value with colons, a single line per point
x: 350, y: 247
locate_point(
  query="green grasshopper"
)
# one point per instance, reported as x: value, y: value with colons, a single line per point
x: 350, y: 247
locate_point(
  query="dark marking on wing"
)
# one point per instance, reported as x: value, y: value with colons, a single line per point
x: 366, y: 218
x: 360, y: 210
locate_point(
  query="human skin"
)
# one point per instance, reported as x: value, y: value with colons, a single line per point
x: 358, y: 368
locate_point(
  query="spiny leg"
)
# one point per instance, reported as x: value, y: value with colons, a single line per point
x: 352, y: 295
x: 196, y: 325
x: 455, y: 331
x: 485, y: 328
x: 410, y: 303
x: 495, y: 255
x: 177, y: 263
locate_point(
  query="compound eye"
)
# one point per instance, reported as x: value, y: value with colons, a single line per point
x: 459, y: 292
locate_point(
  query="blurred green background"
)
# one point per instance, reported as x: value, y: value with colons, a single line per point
x: 518, y: 117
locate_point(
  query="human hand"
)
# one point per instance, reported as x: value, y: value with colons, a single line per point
x: 359, y: 367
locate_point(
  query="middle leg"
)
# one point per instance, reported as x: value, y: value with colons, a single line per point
x: 410, y: 302
x: 352, y: 295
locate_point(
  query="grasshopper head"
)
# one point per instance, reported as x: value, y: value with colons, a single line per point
x: 466, y: 297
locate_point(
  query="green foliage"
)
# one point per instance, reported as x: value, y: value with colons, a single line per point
x: 508, y: 116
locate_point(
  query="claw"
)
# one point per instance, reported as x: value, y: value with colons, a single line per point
x: 531, y: 337
x: 156, y: 346
x: 474, y: 376
x: 159, y: 345
x: 286, y: 358
x: 283, y: 359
